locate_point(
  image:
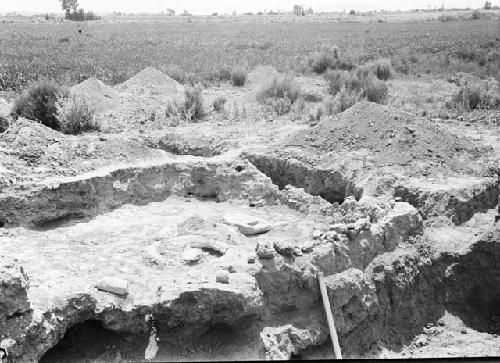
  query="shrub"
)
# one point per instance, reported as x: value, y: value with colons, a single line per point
x: 338, y: 79
x: 321, y: 62
x: 224, y: 74
x: 238, y: 78
x: 381, y: 68
x: 38, y: 102
x: 343, y: 100
x: 171, y: 109
x: 375, y: 90
x: 280, y: 88
x: 218, y: 103
x: 476, y: 15
x: 192, y: 109
x: 474, y: 94
x: 76, y: 115
x: 280, y: 106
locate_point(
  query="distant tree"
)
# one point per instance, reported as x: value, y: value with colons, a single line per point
x: 487, y: 5
x: 170, y: 12
x: 69, y: 6
x: 310, y: 11
x: 298, y: 10
x: 352, y: 12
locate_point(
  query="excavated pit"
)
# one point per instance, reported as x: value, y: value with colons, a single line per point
x: 384, y: 280
x: 331, y: 185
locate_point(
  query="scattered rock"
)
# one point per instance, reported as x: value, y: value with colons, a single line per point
x: 285, y: 247
x: 463, y: 331
x: 316, y: 234
x: 421, y: 341
x: 265, y: 250
x: 247, y: 224
x: 222, y: 277
x: 441, y: 322
x: 114, y: 285
x: 210, y: 244
x: 191, y: 255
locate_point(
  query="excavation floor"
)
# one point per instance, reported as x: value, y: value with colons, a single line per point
x: 139, y: 244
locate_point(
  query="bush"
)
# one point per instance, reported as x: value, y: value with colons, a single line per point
x: 238, y: 78
x: 38, y: 102
x: 321, y: 62
x: 381, y: 68
x: 224, y: 74
x: 218, y: 103
x: 343, y: 100
x: 279, y: 89
x: 192, y: 109
x: 474, y: 94
x: 76, y: 115
x: 476, y: 15
x: 375, y: 90
x: 338, y: 79
x: 280, y: 106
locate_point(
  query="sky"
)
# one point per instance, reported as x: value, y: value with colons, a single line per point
x: 203, y: 7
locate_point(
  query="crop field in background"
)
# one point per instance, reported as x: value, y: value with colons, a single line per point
x: 114, y: 51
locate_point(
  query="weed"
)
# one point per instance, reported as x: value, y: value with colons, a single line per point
x: 475, y: 93
x: 375, y: 90
x: 218, y: 103
x: 76, y: 115
x: 279, y: 88
x: 192, y: 109
x: 238, y: 78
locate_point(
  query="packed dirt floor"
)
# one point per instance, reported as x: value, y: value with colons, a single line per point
x: 150, y: 241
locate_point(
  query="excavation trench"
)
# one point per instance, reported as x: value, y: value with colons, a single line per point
x: 387, y: 304
x: 333, y: 186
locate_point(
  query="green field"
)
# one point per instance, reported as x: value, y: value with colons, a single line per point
x: 113, y: 51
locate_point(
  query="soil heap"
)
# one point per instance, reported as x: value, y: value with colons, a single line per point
x: 392, y: 137
x: 153, y: 82
x: 101, y: 96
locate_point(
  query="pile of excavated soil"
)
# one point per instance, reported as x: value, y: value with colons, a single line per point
x: 29, y: 150
x: 392, y: 137
x: 153, y: 82
x: 101, y: 96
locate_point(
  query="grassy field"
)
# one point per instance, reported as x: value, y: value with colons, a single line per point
x: 114, y: 51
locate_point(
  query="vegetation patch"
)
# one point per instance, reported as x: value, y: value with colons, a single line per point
x: 38, y: 103
x: 76, y: 114
x: 192, y: 109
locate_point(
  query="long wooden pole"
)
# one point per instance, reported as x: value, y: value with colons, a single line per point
x: 329, y: 317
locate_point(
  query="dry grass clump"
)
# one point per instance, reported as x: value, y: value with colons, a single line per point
x: 342, y: 100
x: 320, y: 62
x: 381, y: 68
x: 218, y: 103
x: 76, y: 115
x: 476, y: 94
x: 192, y: 108
x: 279, y: 95
x: 355, y: 86
x: 238, y: 78
x: 280, y: 88
x: 38, y: 102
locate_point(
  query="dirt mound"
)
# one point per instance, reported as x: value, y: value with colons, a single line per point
x: 391, y: 137
x: 262, y: 75
x: 102, y: 96
x: 151, y: 81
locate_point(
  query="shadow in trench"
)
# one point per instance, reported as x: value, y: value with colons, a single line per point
x: 89, y: 341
